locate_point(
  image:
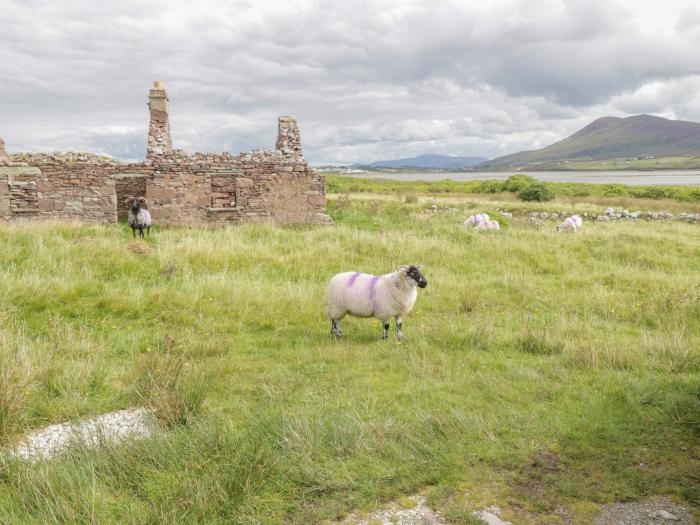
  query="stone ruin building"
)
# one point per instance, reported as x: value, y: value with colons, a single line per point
x: 260, y: 186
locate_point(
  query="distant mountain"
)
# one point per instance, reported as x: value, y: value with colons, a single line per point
x: 425, y: 161
x: 611, y: 138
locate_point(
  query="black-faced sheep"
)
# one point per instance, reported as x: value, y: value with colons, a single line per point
x: 139, y: 217
x: 380, y: 296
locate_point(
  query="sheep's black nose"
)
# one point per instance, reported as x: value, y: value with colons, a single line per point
x: 423, y: 284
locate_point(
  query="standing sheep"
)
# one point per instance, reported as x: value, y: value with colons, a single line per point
x: 572, y: 223
x: 139, y: 217
x: 379, y: 296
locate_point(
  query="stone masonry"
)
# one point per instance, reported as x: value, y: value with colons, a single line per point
x: 260, y: 186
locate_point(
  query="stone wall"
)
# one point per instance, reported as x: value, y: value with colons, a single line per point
x: 288, y: 139
x: 259, y: 186
x: 65, y: 186
x: 128, y: 186
x: 159, y: 141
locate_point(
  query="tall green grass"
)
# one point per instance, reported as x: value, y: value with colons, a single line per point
x: 579, y: 349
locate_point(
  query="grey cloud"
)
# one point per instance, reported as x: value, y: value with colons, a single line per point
x: 366, y: 79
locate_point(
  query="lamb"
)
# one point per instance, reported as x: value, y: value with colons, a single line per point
x: 475, y: 220
x: 488, y: 225
x: 379, y: 296
x: 571, y: 223
x: 139, y: 217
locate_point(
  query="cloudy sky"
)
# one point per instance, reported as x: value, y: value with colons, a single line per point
x: 367, y: 79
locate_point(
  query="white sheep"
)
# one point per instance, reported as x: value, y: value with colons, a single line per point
x: 475, y: 220
x: 488, y: 225
x: 572, y: 223
x: 380, y: 296
x: 139, y: 217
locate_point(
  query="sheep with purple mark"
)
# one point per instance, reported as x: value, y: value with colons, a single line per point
x: 572, y: 223
x: 475, y: 220
x: 380, y: 296
x: 488, y: 225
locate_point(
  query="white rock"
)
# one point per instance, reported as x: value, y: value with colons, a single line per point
x: 664, y: 515
x: 544, y: 215
x: 603, y: 218
x: 609, y: 211
x: 491, y: 519
x: 111, y: 427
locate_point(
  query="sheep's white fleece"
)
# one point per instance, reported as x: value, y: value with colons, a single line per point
x: 365, y: 295
x: 571, y: 223
x: 488, y: 225
x: 475, y: 220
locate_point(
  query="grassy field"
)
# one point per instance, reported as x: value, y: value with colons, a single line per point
x: 645, y: 197
x: 543, y: 373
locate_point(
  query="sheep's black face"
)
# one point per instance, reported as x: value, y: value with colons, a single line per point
x: 415, y: 274
x: 136, y: 205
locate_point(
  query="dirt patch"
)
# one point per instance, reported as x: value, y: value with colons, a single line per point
x: 140, y: 248
x: 535, y: 478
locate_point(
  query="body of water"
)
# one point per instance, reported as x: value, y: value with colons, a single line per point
x: 637, y: 178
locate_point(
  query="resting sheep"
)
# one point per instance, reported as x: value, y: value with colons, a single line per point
x: 139, y: 218
x: 572, y: 223
x: 488, y: 225
x: 475, y: 220
x: 379, y: 296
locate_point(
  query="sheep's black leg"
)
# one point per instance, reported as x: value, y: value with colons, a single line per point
x: 141, y: 231
x: 386, y: 329
x: 399, y: 324
x: 133, y: 232
x: 335, y: 329
x: 149, y: 231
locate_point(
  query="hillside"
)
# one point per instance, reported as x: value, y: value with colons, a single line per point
x: 613, y: 138
x: 426, y: 161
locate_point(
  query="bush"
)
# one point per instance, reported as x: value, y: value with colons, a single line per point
x: 516, y: 183
x: 653, y: 193
x: 490, y: 186
x: 411, y: 199
x: 536, y: 192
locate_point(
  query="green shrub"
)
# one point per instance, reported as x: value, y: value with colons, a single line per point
x: 536, y: 192
x: 652, y: 193
x: 490, y: 186
x: 411, y: 199
x: 516, y: 183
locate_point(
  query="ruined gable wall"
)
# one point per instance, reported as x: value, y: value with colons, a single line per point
x: 60, y: 186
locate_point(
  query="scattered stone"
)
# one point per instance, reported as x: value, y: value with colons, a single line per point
x: 409, y: 511
x: 544, y: 215
x: 112, y: 428
x: 664, y: 515
x: 507, y: 214
x: 609, y: 211
x: 536, y: 222
x: 658, y: 512
x: 602, y: 218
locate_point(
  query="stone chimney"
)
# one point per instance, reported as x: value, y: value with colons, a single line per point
x: 3, y: 153
x: 159, y: 141
x: 288, y: 141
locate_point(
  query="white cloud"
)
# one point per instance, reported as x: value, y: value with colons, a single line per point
x: 367, y: 79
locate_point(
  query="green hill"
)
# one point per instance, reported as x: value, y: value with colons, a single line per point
x: 612, y: 138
